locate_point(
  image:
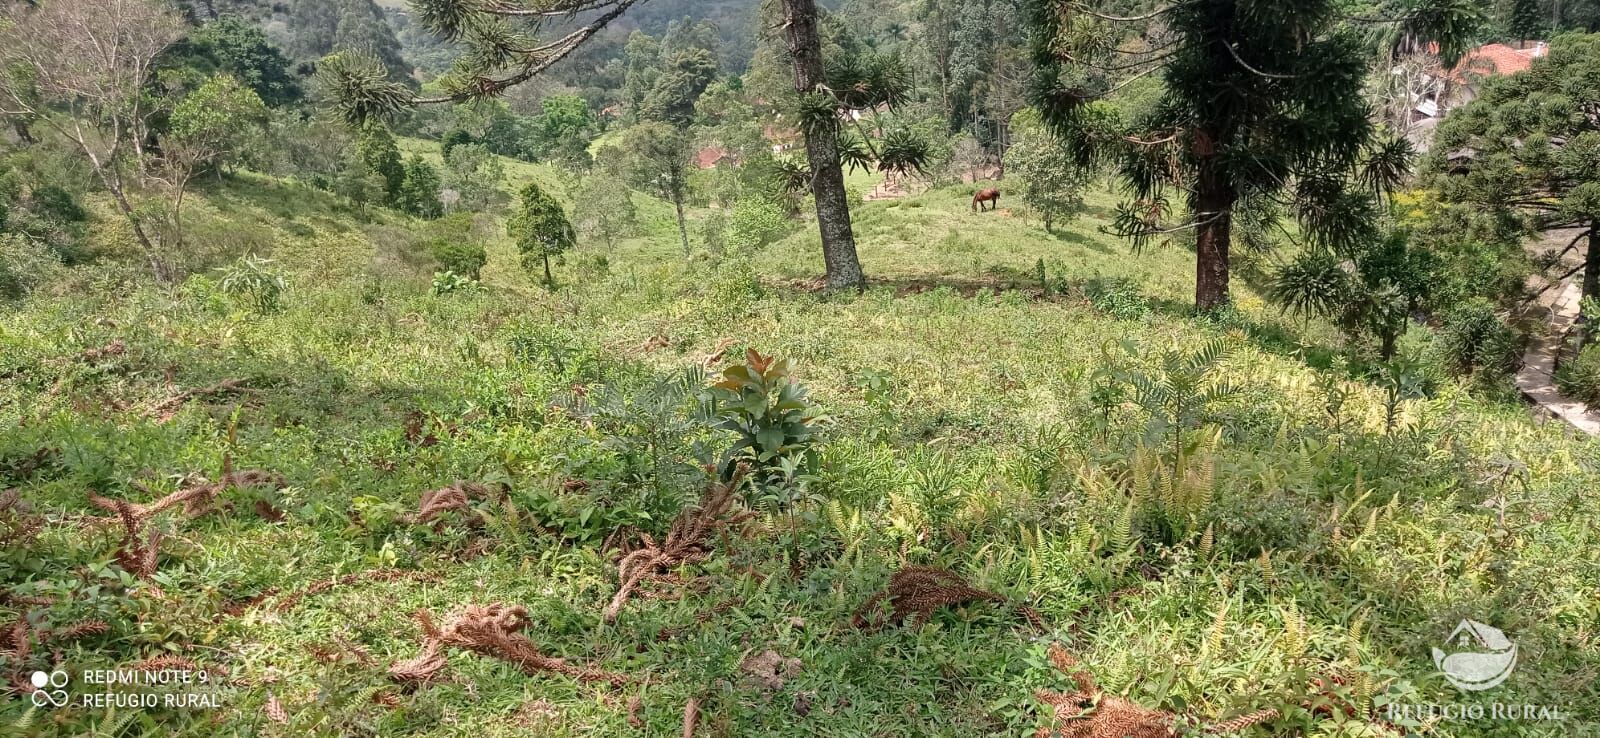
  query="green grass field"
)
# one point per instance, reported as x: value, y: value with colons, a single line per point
x: 1307, y: 562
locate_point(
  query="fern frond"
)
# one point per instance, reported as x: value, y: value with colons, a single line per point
x: 1219, y: 625
x: 1295, y: 639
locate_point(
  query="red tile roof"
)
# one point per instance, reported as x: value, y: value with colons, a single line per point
x: 1496, y: 59
x: 710, y: 157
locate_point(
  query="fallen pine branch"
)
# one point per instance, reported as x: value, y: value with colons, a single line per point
x: 165, y: 409
x: 686, y: 542
x: 493, y: 630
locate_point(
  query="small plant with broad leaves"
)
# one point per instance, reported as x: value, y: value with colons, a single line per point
x: 773, y: 421
x: 256, y: 280
x: 448, y: 282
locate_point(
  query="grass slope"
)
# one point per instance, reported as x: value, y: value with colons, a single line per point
x: 966, y: 429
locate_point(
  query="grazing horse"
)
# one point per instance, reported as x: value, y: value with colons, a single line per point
x: 985, y: 196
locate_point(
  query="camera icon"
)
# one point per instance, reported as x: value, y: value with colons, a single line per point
x: 49, y: 688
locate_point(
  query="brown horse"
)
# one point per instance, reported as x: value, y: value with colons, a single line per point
x: 986, y: 196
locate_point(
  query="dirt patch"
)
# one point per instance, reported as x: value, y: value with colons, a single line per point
x: 770, y: 669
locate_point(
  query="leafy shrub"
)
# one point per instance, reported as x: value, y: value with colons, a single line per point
x: 756, y: 222
x: 447, y: 282
x: 257, y: 281
x: 1475, y: 338
x: 1580, y: 377
x: 1119, y: 297
x: 24, y: 265
x: 463, y: 258
x: 772, y: 419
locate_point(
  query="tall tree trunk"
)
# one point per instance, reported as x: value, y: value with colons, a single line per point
x: 822, y: 150
x: 683, y: 225
x: 549, y: 279
x: 1591, y: 264
x: 1214, y: 208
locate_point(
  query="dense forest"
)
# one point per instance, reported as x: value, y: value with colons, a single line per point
x: 1121, y: 369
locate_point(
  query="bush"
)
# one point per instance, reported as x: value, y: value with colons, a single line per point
x: 1120, y: 298
x: 461, y: 257
x: 24, y: 265
x: 448, y: 282
x: 257, y: 281
x: 1580, y: 377
x: 756, y: 222
x: 1474, y: 338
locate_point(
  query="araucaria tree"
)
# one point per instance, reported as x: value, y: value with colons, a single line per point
x: 502, y: 48
x: 822, y: 148
x: 1529, y: 148
x: 540, y: 229
x: 1262, y: 107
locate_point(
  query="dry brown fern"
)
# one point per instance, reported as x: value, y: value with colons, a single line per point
x: 1089, y: 712
x: 79, y: 630
x: 916, y: 591
x: 493, y: 630
x: 138, y: 556
x: 458, y: 497
x: 691, y: 716
x: 274, y: 710
x: 688, y: 541
x: 167, y: 409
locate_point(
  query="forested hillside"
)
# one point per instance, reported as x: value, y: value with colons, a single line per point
x: 871, y: 368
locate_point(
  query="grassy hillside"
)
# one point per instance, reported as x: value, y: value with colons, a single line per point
x: 1318, y: 542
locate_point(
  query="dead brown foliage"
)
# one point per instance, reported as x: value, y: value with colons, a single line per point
x: 138, y: 550
x: 688, y: 541
x: 691, y: 716
x: 275, y: 712
x: 116, y: 348
x: 16, y: 645
x: 1089, y: 712
x: 917, y: 591
x: 168, y: 409
x: 457, y: 497
x: 493, y: 630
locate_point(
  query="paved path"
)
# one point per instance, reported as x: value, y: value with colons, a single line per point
x: 1537, y: 377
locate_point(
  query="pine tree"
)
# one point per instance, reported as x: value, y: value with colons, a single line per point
x: 1528, y: 148
x: 419, y: 195
x: 1263, y: 104
x: 540, y: 229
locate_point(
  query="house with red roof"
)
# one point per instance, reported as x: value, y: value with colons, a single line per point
x: 1493, y: 60
x: 1440, y: 92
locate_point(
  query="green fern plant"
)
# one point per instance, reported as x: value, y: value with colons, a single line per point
x: 1181, y: 392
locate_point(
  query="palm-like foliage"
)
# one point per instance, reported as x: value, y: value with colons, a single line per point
x: 1181, y: 391
x: 902, y: 152
x: 1262, y: 100
x: 502, y: 48
x: 1316, y: 283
